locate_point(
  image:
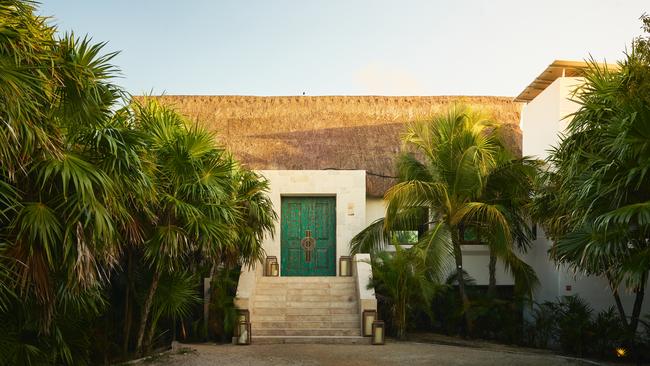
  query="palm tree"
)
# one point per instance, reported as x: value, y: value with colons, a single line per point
x: 59, y: 216
x: 62, y: 202
x: 509, y: 186
x: 194, y: 209
x: 595, y: 202
x: 94, y: 193
x: 451, y: 176
x: 257, y: 217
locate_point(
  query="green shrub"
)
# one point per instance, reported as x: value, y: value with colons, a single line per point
x: 403, y: 285
x: 569, y: 324
x: 497, y: 319
x: 574, y: 325
x: 545, y: 325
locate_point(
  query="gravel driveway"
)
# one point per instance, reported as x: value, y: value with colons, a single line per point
x: 394, y: 353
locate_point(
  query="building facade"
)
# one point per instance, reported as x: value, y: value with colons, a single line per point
x: 329, y: 161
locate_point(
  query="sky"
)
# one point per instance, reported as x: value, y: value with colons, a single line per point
x: 346, y: 47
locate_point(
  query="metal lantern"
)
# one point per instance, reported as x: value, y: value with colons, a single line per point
x: 244, y: 333
x: 268, y: 270
x: 243, y: 315
x: 368, y: 317
x: 275, y: 269
x: 378, y: 332
x: 345, y: 266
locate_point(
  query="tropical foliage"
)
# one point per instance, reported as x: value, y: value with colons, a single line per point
x: 570, y: 324
x: 595, y: 197
x: 111, y: 210
x: 403, y: 283
x: 458, y: 174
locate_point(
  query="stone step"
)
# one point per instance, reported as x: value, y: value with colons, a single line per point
x: 316, y: 292
x: 271, y: 297
x: 255, y: 317
x: 304, y: 311
x: 307, y: 279
x: 301, y: 297
x: 304, y: 324
x: 310, y: 340
x: 305, y: 304
x: 330, y: 332
x: 271, y: 289
x: 324, y: 292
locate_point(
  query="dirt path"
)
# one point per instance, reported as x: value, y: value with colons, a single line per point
x: 394, y: 353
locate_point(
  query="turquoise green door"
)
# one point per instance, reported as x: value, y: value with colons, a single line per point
x: 303, y: 217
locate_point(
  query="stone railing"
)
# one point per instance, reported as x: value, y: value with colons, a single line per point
x: 246, y: 288
x: 362, y: 271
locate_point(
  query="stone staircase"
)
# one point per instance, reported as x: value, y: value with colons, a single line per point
x: 306, y: 310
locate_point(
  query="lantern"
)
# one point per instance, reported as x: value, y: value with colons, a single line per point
x: 244, y: 333
x: 243, y: 315
x: 368, y: 317
x: 268, y: 270
x: 275, y: 269
x: 378, y: 332
x: 345, y: 266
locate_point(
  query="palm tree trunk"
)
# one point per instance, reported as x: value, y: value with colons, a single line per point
x: 207, y: 298
x: 400, y: 310
x: 492, y: 267
x: 617, y: 298
x: 152, y: 331
x: 401, y: 332
x: 458, y: 256
x: 638, y: 302
x: 146, y: 309
x: 128, y: 319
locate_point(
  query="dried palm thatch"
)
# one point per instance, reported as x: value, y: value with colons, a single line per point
x: 328, y: 132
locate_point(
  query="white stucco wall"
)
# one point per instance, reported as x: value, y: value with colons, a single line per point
x: 476, y: 260
x: 542, y: 120
x: 375, y: 209
x: 349, y: 188
x: 556, y: 281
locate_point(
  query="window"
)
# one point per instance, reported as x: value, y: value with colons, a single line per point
x: 409, y: 235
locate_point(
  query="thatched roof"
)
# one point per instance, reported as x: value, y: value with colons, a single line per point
x: 327, y: 132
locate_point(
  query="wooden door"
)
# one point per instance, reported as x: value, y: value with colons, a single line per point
x: 303, y: 217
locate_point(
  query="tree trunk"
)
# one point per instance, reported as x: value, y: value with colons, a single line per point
x: 128, y: 319
x: 638, y: 302
x: 152, y: 331
x: 617, y: 298
x: 401, y: 330
x: 492, y: 267
x: 400, y: 309
x: 458, y: 256
x: 146, y: 309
